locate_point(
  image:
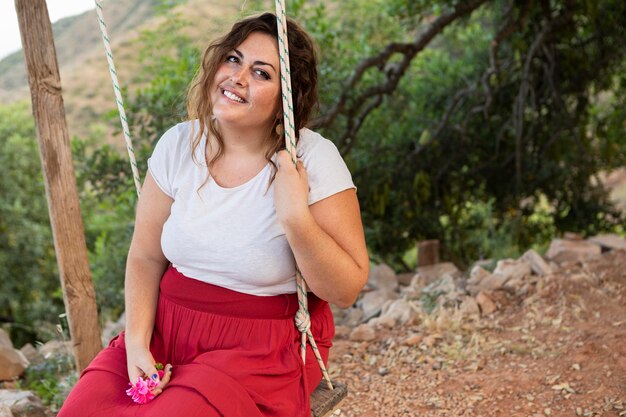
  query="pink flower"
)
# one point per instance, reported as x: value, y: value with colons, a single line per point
x: 141, y: 391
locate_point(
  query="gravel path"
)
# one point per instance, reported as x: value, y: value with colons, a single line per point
x: 558, y: 351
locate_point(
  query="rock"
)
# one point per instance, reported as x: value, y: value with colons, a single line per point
x: 514, y: 270
x: 342, y: 332
x: 440, y: 286
x: 405, y: 278
x: 23, y: 403
x: 5, y: 340
x: 561, y: 251
x: 112, y: 329
x: 491, y: 282
x: 572, y: 236
x: 372, y: 303
x: 12, y: 363
x: 413, y: 340
x: 363, y: 333
x: 31, y: 354
x: 387, y: 322
x: 477, y: 274
x: 353, y: 317
x: 537, y: 264
x: 430, y: 273
x: 5, y: 411
x: 400, y: 311
x: 382, y: 277
x: 469, y: 307
x: 55, y: 348
x: 609, y: 242
x: 487, y: 306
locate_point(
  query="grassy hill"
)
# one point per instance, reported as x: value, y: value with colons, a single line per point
x: 87, y: 90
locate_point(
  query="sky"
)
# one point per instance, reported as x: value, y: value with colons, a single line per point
x: 9, y: 28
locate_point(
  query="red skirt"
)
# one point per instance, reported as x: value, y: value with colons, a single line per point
x: 233, y: 355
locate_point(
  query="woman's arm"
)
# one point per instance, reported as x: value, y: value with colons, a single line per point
x: 327, y: 237
x: 144, y: 269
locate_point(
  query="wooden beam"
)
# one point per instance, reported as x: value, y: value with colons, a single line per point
x: 58, y: 171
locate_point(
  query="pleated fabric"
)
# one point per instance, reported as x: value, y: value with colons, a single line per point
x: 233, y: 355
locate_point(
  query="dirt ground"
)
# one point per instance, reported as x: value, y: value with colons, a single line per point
x: 559, y: 350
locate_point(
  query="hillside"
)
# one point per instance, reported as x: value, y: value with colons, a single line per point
x: 87, y: 90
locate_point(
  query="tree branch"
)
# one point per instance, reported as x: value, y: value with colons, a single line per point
x: 371, y: 98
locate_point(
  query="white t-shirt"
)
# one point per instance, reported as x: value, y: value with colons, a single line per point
x: 230, y: 236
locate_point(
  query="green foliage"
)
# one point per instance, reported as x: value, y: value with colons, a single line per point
x: 28, y: 277
x: 476, y: 145
x: 51, y: 380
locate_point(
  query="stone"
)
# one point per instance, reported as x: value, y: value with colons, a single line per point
x: 32, y: 355
x: 513, y: 269
x: 55, y: 349
x: 572, y: 236
x: 113, y: 328
x: 609, y: 241
x: 386, y: 322
x: 5, y: 340
x: 491, y: 282
x: 382, y: 277
x: 23, y: 403
x: 537, y: 264
x: 5, y: 411
x: 413, y: 340
x: 469, y: 307
x: 342, y: 332
x: 12, y: 363
x: 372, y: 303
x: 363, y: 333
x: 405, y: 278
x: 353, y: 317
x: 401, y: 311
x: 428, y: 274
x: 561, y: 250
x: 487, y: 306
x: 477, y: 274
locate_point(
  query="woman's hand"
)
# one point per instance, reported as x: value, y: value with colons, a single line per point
x: 291, y: 190
x: 141, y: 364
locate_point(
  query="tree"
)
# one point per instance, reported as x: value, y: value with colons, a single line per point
x: 511, y: 103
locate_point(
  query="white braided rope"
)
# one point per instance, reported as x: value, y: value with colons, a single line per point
x: 118, y: 96
x: 302, y: 317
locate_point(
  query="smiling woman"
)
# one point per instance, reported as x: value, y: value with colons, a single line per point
x: 223, y: 217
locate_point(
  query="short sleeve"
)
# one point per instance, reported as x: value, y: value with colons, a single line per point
x: 326, y: 169
x: 165, y: 161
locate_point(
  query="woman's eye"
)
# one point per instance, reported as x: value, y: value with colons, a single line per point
x: 263, y: 74
x: 232, y: 58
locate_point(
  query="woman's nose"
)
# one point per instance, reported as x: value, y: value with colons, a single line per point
x: 239, y: 76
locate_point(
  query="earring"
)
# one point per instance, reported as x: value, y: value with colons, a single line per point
x: 280, y: 129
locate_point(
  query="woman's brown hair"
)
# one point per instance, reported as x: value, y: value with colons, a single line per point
x: 303, y: 67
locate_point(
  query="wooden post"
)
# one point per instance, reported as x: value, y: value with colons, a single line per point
x: 58, y: 171
x: 427, y: 252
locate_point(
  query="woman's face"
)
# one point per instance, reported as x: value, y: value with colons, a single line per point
x: 246, y: 87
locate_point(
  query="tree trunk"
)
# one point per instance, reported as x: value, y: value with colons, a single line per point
x: 58, y: 171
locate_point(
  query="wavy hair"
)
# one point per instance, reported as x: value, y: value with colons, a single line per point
x: 303, y: 66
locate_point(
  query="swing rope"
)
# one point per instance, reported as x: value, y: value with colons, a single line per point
x: 118, y: 96
x: 302, y: 319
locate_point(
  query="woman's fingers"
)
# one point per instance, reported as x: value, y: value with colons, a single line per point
x: 167, y: 375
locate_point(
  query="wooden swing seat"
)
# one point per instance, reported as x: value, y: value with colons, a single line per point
x: 324, y: 400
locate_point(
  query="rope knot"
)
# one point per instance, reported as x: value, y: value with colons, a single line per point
x: 303, y: 320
